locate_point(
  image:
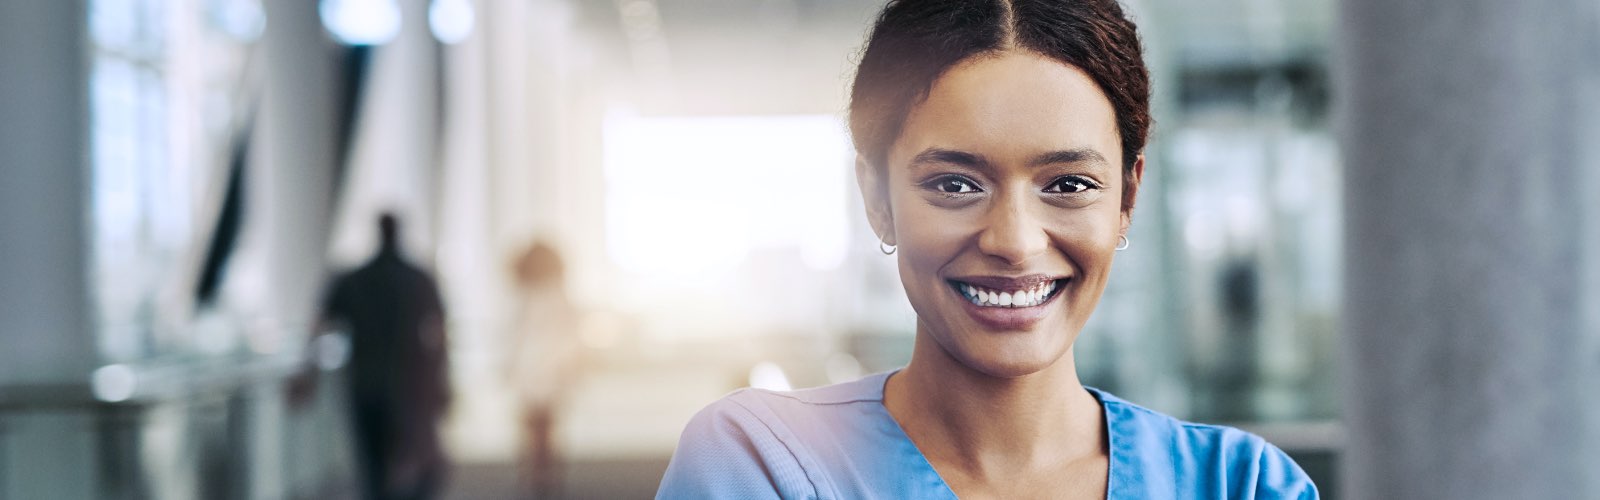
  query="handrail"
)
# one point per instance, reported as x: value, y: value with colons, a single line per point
x: 152, y: 382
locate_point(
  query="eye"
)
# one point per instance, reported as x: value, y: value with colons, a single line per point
x: 952, y: 184
x: 1072, y: 184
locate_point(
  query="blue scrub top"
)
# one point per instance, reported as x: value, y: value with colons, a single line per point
x: 839, y: 441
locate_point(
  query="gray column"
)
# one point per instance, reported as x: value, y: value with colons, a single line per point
x: 46, y: 333
x: 1471, y: 140
x: 47, y: 344
x: 296, y: 152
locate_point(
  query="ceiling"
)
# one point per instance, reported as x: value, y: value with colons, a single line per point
x: 795, y: 56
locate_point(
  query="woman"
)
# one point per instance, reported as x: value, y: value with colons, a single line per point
x: 1000, y: 157
x: 544, y: 361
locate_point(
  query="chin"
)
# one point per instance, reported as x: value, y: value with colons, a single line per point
x: 1006, y: 368
x: 1021, y: 355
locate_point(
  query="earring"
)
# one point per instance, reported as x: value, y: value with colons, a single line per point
x: 1123, y: 243
x: 887, y: 249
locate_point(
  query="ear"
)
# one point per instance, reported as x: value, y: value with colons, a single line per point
x: 1130, y: 191
x: 875, y: 197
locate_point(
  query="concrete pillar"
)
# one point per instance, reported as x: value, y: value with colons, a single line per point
x: 46, y: 332
x: 291, y: 173
x: 47, y: 343
x: 1471, y: 139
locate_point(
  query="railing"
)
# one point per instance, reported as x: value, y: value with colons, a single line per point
x: 193, y: 429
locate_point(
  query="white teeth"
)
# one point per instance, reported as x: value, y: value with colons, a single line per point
x: 1019, y: 298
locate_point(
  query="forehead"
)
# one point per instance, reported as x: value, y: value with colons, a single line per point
x: 1014, y: 104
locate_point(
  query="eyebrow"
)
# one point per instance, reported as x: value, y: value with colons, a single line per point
x: 1079, y: 155
x: 952, y: 157
x: 973, y: 160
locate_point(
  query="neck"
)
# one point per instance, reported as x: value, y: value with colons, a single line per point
x: 982, y: 423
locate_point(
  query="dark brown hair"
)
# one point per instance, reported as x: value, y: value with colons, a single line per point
x: 913, y: 42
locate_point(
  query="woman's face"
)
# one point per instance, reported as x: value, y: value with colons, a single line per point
x: 1004, y: 196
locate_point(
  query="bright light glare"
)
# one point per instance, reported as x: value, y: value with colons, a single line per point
x: 768, y: 375
x: 451, y: 20
x: 691, y: 196
x: 113, y: 383
x: 361, y: 22
x: 332, y: 351
x: 842, y: 367
x: 242, y: 19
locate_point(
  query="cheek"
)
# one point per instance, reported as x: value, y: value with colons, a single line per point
x: 930, y: 237
x: 1089, y: 239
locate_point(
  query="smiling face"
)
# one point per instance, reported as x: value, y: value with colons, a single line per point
x: 1005, y: 196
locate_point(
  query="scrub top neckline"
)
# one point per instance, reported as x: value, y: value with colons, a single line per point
x: 879, y: 386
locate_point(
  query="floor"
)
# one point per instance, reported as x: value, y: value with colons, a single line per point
x: 611, y: 479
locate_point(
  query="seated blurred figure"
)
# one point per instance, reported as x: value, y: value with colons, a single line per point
x: 398, y: 371
x: 544, y: 360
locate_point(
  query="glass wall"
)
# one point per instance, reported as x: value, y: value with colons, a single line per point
x: 169, y: 97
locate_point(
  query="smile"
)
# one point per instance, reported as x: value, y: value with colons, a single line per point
x: 980, y: 296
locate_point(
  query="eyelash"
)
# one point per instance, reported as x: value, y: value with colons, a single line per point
x: 1086, y: 182
x: 938, y: 185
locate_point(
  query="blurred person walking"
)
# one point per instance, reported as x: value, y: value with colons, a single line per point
x: 544, y: 361
x: 398, y: 376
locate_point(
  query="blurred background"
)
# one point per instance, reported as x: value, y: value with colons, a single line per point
x: 670, y: 179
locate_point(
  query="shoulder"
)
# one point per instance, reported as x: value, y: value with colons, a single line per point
x: 1202, y: 457
x: 795, y: 410
x: 756, y: 443
x: 728, y: 451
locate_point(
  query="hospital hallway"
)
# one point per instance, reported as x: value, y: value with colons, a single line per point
x: 305, y: 249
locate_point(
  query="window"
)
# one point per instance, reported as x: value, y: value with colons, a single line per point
x: 731, y: 214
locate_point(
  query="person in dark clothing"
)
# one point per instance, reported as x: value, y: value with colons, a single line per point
x: 398, y: 370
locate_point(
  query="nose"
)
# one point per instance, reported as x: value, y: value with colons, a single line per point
x: 1012, y: 232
